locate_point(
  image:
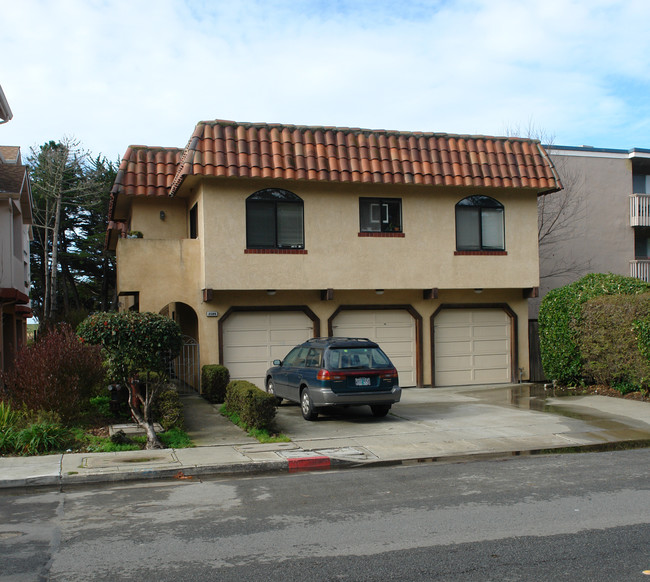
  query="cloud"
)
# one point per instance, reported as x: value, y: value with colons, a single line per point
x: 117, y: 72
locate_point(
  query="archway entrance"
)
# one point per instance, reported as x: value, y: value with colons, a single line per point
x: 186, y: 368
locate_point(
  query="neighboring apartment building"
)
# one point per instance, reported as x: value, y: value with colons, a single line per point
x: 256, y: 237
x: 15, y: 234
x: 604, y: 217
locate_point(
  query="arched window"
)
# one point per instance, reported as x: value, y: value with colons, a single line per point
x: 274, y: 220
x: 479, y: 224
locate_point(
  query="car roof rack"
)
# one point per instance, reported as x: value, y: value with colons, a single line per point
x: 336, y: 338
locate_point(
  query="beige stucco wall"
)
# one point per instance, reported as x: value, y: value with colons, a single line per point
x: 338, y: 258
x: 209, y: 326
x: 145, y: 217
x: 165, y: 267
x: 162, y: 271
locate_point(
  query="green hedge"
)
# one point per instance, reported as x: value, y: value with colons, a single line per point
x: 560, y: 315
x: 168, y: 410
x: 214, y: 381
x: 255, y: 408
x: 608, y: 342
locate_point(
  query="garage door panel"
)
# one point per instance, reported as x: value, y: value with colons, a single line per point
x: 491, y: 347
x: 488, y: 331
x: 472, y: 346
x: 491, y: 377
x: 454, y: 378
x: 393, y: 330
x: 455, y: 363
x: 452, y: 348
x: 491, y: 361
x: 252, y: 340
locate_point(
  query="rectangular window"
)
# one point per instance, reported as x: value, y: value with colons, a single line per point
x: 290, y: 225
x: 274, y: 220
x: 261, y: 225
x: 492, y: 228
x: 380, y: 214
x: 194, y: 222
x: 468, y: 231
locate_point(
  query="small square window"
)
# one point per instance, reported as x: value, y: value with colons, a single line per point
x: 380, y: 215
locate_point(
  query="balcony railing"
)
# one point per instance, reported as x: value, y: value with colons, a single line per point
x: 640, y: 269
x: 640, y: 210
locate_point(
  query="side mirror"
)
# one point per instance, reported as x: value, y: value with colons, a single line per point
x: 277, y: 362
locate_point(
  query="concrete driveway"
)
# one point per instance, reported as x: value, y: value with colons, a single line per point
x: 435, y: 422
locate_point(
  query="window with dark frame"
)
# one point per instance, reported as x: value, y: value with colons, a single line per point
x: 380, y: 215
x: 194, y: 222
x: 274, y: 220
x: 480, y: 224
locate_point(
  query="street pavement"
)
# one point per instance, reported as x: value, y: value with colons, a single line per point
x: 428, y: 425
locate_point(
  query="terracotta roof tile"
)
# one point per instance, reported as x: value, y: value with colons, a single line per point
x: 334, y: 154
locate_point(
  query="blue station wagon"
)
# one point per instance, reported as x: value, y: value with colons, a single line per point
x: 335, y: 371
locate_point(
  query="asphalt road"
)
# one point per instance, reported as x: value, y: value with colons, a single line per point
x: 572, y: 517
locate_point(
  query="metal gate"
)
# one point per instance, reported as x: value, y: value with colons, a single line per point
x: 186, y: 368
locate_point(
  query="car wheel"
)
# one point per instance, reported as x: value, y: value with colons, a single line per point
x: 380, y: 410
x: 270, y: 388
x: 307, y: 406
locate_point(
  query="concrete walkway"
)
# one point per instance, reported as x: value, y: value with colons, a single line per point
x: 428, y: 425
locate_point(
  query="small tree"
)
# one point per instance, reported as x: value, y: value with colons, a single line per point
x: 139, y: 348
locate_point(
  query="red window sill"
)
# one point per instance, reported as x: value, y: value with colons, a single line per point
x: 382, y: 234
x: 482, y: 253
x: 275, y: 251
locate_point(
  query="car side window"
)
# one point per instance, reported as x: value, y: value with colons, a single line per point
x: 314, y: 358
x: 291, y: 356
x: 296, y: 357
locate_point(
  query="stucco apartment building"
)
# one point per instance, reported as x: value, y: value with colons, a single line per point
x: 15, y: 234
x: 255, y: 237
x: 605, y: 222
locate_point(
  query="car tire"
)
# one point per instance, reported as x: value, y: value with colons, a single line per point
x: 380, y: 410
x: 307, y: 405
x: 270, y: 388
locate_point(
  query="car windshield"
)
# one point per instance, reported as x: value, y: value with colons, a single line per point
x: 355, y: 358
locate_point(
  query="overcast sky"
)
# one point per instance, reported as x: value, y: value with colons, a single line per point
x: 111, y: 73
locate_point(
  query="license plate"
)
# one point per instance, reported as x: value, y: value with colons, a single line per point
x: 362, y: 381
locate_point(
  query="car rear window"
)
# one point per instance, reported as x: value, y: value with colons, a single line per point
x: 351, y: 358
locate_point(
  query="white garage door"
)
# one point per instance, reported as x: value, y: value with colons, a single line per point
x: 393, y: 330
x: 472, y: 346
x: 252, y: 340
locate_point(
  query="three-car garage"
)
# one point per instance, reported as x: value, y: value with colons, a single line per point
x: 469, y: 345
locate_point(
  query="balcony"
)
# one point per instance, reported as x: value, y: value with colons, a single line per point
x: 640, y: 269
x: 640, y: 210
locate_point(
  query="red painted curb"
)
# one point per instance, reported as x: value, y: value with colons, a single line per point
x: 309, y: 464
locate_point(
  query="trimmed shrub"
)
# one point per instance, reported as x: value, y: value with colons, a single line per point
x: 57, y: 373
x: 254, y: 407
x: 608, y: 343
x: 168, y: 410
x: 214, y: 381
x: 560, y: 316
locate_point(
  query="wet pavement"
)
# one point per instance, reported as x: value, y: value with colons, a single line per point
x: 441, y: 424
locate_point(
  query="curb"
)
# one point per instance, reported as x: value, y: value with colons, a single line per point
x: 298, y: 464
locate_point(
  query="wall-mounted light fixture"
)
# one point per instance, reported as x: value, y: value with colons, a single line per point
x: 270, y: 291
x: 477, y: 291
x: 162, y: 215
x: 379, y: 291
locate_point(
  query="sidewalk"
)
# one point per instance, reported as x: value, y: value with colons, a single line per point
x: 427, y: 425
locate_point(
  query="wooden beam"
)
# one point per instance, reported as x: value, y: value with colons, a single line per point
x: 430, y: 293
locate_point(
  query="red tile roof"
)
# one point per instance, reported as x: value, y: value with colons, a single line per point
x: 335, y: 154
